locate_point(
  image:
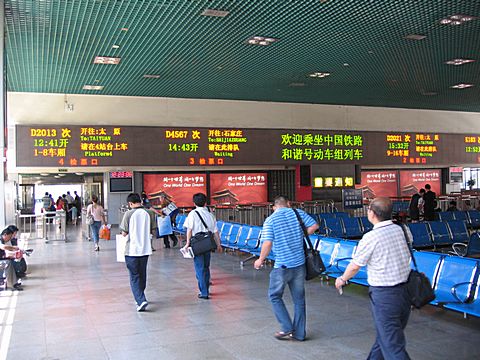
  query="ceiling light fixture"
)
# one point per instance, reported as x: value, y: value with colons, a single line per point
x: 151, y: 76
x: 319, y: 75
x: 297, y: 84
x: 92, y: 87
x: 107, y: 60
x: 458, y: 62
x: 456, y: 19
x: 215, y: 13
x: 415, y: 37
x: 461, y: 86
x: 115, y: 46
x: 44, y: 174
x: 261, y: 40
x: 124, y: 29
x: 79, y: 173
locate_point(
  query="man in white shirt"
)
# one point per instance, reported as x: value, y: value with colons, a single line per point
x: 139, y: 225
x: 384, y: 251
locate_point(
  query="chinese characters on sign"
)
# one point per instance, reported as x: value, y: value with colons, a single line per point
x: 412, y: 148
x: 352, y: 198
x: 333, y: 182
x: 318, y: 147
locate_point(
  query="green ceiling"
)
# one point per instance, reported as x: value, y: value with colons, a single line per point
x: 51, y: 45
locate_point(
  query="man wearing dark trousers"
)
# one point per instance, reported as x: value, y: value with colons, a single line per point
x: 282, y: 232
x: 139, y: 225
x: 385, y: 253
x: 429, y: 199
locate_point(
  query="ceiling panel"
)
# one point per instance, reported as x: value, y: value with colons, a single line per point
x: 51, y: 46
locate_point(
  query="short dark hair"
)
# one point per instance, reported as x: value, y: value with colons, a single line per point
x: 200, y: 199
x: 12, y: 228
x: 427, y: 186
x: 94, y: 198
x: 134, y: 198
x: 422, y: 191
x: 6, y: 231
x: 382, y: 207
x: 280, y: 200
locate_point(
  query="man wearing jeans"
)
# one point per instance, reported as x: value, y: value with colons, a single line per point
x: 283, y: 232
x: 139, y: 225
x: 385, y: 253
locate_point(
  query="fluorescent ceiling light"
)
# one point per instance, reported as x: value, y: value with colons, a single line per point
x: 319, y: 75
x: 215, y: 13
x: 107, y: 60
x: 92, y: 87
x: 261, y: 40
x: 415, y: 37
x: 296, y: 84
x: 457, y: 62
x: 44, y: 174
x: 115, y: 46
x: 456, y: 19
x: 461, y: 86
x: 151, y: 76
x: 79, y: 173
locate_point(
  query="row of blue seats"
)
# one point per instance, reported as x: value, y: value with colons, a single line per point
x: 344, y: 227
x: 456, y: 280
x: 439, y: 233
x: 471, y: 217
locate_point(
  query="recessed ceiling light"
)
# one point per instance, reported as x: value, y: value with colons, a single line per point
x: 457, y: 62
x: 215, y: 13
x: 124, y: 29
x: 115, y: 46
x: 62, y: 175
x: 456, y: 19
x: 319, y: 75
x: 107, y: 60
x: 461, y: 86
x: 44, y: 174
x: 261, y: 40
x: 92, y: 87
x: 57, y: 177
x: 415, y: 37
x: 79, y: 173
x: 297, y: 84
x: 151, y: 76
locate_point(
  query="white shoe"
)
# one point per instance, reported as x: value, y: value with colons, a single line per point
x: 142, y: 306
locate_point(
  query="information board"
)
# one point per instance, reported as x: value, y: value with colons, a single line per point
x: 128, y: 146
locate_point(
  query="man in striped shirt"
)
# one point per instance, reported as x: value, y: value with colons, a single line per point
x: 283, y: 233
x: 385, y: 253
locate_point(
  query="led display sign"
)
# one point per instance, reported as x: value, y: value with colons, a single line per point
x: 127, y: 146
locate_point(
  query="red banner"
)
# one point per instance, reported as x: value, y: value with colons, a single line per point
x: 179, y: 188
x: 238, y: 188
x: 378, y: 183
x: 411, y: 181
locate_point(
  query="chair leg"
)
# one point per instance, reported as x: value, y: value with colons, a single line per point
x: 247, y: 259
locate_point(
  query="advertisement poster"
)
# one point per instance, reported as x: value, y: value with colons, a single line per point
x: 178, y: 188
x: 238, y: 188
x: 378, y: 183
x: 411, y: 181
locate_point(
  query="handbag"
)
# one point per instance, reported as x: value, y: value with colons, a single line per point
x: 314, y: 265
x: 89, y: 220
x: 419, y: 288
x: 204, y: 241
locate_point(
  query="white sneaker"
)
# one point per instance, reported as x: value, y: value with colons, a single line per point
x: 142, y: 306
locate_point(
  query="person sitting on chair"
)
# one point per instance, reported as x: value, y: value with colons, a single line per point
x: 9, y: 272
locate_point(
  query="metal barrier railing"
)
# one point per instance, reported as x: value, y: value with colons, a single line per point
x: 49, y: 226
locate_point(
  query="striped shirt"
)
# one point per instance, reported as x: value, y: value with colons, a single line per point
x: 385, y: 253
x: 284, y: 231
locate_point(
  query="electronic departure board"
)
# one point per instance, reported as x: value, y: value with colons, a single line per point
x: 96, y: 146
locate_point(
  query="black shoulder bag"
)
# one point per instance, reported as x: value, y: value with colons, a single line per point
x: 313, y: 262
x: 204, y: 241
x: 419, y: 287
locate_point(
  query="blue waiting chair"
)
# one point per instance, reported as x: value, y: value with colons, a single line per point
x: 460, y: 215
x: 473, y: 219
x: 455, y: 281
x: 352, y: 228
x: 472, y: 249
x: 458, y: 231
x: 421, y: 235
x: 227, y: 227
x: 343, y: 255
x: 231, y: 238
x: 242, y: 237
x: 327, y: 247
x: 252, y: 244
x: 366, y: 225
x: 429, y: 263
x: 334, y: 227
x: 440, y: 233
x: 472, y: 306
x: 446, y: 216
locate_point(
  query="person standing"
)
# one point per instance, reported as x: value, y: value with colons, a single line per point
x: 413, y: 206
x: 429, y: 200
x: 283, y: 233
x: 69, y: 198
x: 96, y: 210
x: 385, y: 253
x: 171, y: 210
x: 139, y: 225
x: 194, y: 225
x: 46, y: 202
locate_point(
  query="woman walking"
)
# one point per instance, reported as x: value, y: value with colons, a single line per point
x: 96, y: 211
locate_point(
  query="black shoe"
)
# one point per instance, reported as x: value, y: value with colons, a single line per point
x: 175, y: 242
x: 200, y: 296
x: 17, y: 287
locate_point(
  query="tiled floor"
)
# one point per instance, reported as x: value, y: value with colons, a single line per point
x: 77, y: 304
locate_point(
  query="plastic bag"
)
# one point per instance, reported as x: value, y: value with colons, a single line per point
x: 105, y: 232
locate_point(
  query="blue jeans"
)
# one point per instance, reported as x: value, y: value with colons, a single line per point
x: 95, y: 229
x: 137, y: 268
x: 295, y: 279
x: 390, y: 310
x: 202, y: 272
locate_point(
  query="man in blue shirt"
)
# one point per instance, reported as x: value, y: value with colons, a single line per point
x: 283, y: 233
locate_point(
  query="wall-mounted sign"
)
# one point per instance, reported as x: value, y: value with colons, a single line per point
x: 411, y: 181
x: 378, y: 183
x: 238, y: 188
x: 127, y: 146
x: 325, y: 182
x: 352, y: 198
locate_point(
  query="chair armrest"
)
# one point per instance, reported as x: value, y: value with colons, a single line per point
x: 454, y: 291
x: 459, y: 249
x: 341, y: 259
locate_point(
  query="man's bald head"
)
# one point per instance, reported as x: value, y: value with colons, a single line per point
x: 382, y: 208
